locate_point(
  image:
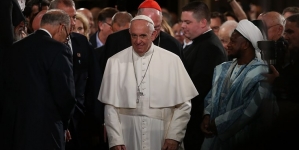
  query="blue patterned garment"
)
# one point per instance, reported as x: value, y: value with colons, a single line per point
x: 235, y: 102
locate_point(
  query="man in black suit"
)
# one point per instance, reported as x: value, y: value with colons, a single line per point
x: 11, y: 16
x: 122, y: 39
x: 85, y: 76
x: 201, y: 58
x: 39, y: 88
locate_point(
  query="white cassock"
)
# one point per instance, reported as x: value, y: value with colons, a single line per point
x: 163, y: 110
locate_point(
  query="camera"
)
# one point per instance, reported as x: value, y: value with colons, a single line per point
x: 273, y: 51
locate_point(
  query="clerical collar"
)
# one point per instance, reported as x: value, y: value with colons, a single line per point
x: 207, y: 31
x: 148, y: 53
x: 204, y: 36
x: 46, y: 31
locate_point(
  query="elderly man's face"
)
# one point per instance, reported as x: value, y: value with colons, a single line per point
x: 291, y: 34
x: 141, y: 36
x: 235, y: 46
x: 224, y: 36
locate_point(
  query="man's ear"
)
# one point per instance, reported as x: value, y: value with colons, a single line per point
x: 203, y: 23
x: 100, y: 24
x: 280, y: 30
x: 60, y: 29
x: 154, y: 35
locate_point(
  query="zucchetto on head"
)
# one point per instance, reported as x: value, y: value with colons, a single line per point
x: 150, y: 4
x: 143, y: 17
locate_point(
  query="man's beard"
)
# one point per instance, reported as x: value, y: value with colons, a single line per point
x: 19, y: 35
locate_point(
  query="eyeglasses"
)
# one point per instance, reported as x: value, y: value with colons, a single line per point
x: 157, y: 27
x: 108, y: 24
x: 67, y: 34
x: 179, y: 32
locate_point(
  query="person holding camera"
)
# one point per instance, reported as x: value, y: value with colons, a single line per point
x: 285, y: 86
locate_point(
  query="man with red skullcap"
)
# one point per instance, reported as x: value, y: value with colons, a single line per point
x: 121, y: 40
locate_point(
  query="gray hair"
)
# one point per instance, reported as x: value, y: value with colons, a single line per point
x: 55, y: 17
x: 229, y: 25
x: 68, y: 3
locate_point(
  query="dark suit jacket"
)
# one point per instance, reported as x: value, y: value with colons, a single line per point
x: 39, y: 94
x: 86, y: 76
x: 93, y: 40
x: 204, y: 54
x: 11, y: 15
x: 120, y: 40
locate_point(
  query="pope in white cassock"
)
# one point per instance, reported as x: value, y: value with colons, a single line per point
x: 147, y: 93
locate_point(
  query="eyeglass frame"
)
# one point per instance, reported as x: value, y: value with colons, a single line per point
x: 67, y: 33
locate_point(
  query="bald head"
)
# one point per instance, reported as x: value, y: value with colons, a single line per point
x: 275, y: 23
x: 87, y: 13
x: 121, y: 21
x: 154, y: 14
x: 225, y: 31
x: 37, y: 19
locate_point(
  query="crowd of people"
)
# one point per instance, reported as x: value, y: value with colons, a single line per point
x: 85, y: 79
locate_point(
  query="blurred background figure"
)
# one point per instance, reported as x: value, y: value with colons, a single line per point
x: 95, y: 13
x: 225, y: 31
x: 98, y: 39
x: 121, y: 21
x: 36, y: 21
x: 290, y: 11
x: 11, y: 16
x: 254, y: 11
x: 167, y: 16
x: 33, y: 7
x: 177, y: 32
x: 274, y: 23
x: 87, y: 13
x: 217, y: 19
x: 165, y: 27
x: 230, y: 16
x: 20, y: 31
x: 82, y: 25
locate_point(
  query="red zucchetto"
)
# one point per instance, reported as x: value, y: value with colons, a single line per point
x: 150, y: 4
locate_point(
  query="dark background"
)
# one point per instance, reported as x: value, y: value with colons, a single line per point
x: 173, y: 5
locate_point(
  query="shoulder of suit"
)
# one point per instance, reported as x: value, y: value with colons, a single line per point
x: 78, y: 36
x: 119, y: 34
x: 166, y: 36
